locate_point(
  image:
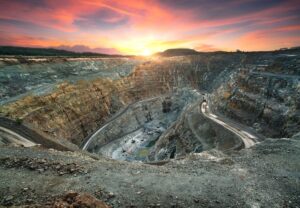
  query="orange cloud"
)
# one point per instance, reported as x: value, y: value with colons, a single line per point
x: 207, y: 48
x: 266, y: 40
x: 21, y: 40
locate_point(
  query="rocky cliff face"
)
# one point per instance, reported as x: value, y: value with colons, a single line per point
x: 73, y: 110
x: 264, y: 94
x: 80, y: 94
x: 244, y: 87
x: 38, y: 76
x: 192, y: 132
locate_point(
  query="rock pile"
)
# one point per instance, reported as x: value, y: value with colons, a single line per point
x: 42, y: 165
x: 77, y: 200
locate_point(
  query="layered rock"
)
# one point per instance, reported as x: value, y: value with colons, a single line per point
x: 73, y: 110
x: 264, y: 94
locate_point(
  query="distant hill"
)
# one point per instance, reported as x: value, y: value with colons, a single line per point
x: 178, y: 52
x: 24, y: 51
x: 84, y: 48
x: 187, y: 51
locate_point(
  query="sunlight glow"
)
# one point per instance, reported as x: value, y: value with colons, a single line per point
x: 146, y: 52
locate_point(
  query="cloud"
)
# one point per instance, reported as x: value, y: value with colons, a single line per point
x: 103, y: 18
x: 206, y: 48
x: 132, y: 25
x: 220, y: 9
x: 269, y: 39
x: 28, y: 41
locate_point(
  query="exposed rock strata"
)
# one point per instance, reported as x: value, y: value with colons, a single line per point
x: 264, y: 95
x: 270, y: 104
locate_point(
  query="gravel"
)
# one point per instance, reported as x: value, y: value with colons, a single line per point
x: 266, y: 175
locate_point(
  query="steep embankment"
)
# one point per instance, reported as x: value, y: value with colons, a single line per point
x: 74, y: 110
x: 257, y: 89
x: 264, y: 94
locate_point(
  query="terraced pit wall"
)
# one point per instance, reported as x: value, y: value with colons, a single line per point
x: 265, y: 95
x: 74, y: 110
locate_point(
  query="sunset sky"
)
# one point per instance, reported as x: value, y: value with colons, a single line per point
x: 148, y: 26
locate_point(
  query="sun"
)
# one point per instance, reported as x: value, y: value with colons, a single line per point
x: 146, y: 52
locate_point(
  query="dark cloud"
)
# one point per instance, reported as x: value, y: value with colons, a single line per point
x: 24, y: 27
x: 33, y: 4
x: 214, y: 10
x: 18, y: 23
x: 102, y: 19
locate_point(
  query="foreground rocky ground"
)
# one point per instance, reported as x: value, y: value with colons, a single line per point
x: 266, y: 175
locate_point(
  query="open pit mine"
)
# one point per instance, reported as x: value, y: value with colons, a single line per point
x: 213, y: 129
